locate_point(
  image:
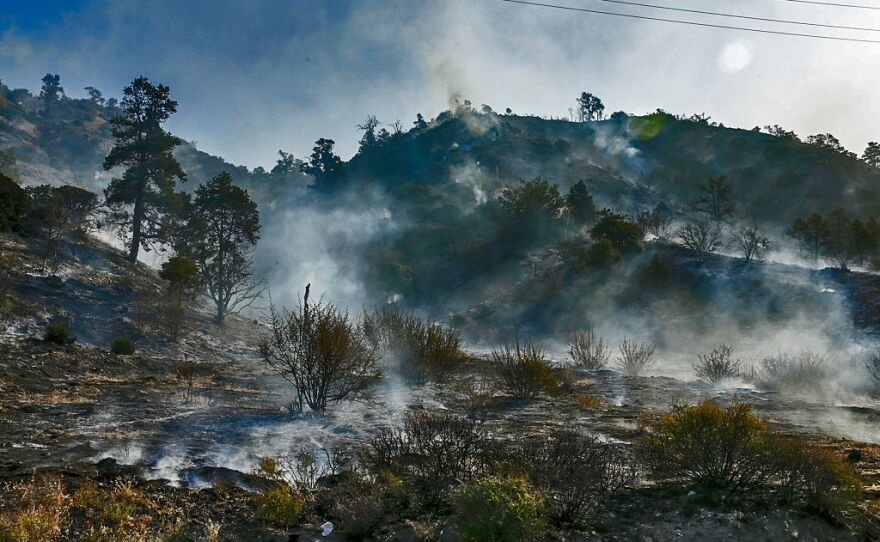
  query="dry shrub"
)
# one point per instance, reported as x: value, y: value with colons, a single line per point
x: 817, y: 475
x: 321, y: 353
x: 522, y: 371
x: 42, y: 512
x: 425, y: 352
x: 122, y: 512
x: 634, y: 357
x: 122, y: 346
x: 478, y: 395
x: 430, y: 453
x: 58, y: 333
x: 497, y: 509
x: 576, y: 473
x: 589, y: 351
x: 805, y: 371
x: 710, y: 445
x: 304, y: 469
x: 717, y: 365
x: 587, y: 401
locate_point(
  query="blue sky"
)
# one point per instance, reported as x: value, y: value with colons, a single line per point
x: 257, y: 76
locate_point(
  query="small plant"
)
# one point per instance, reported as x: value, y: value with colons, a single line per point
x: 805, y: 371
x: 589, y: 351
x: 58, y: 333
x: 588, y: 402
x: 499, y: 510
x: 717, y: 365
x: 522, y: 371
x: 122, y: 346
x: 42, y: 512
x: 634, y: 357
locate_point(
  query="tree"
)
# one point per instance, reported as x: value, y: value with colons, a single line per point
x: 224, y: 227
x: 811, y: 233
x: 528, y: 211
x: 142, y: 201
x: 59, y: 213
x: 700, y: 236
x: 715, y: 202
x: 589, y: 107
x: 623, y: 234
x: 864, y: 241
x: 95, y: 96
x: 828, y: 141
x: 323, y: 165
x: 420, y: 123
x: 751, y: 243
x: 871, y: 156
x: 369, y: 139
x: 581, y: 207
x: 181, y: 273
x: 14, y: 206
x: 780, y: 132
x: 838, y: 246
x: 321, y: 353
x: 8, y: 164
x: 51, y: 91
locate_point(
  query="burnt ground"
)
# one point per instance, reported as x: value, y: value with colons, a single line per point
x: 89, y: 415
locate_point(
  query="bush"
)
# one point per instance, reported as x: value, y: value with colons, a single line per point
x: 634, y: 357
x: 805, y: 371
x: 521, y: 370
x: 122, y: 346
x: 713, y: 446
x: 717, y: 365
x: 430, y: 453
x: 623, y: 235
x: 499, y: 510
x: 601, y: 253
x: 58, y: 333
x: 14, y: 206
x: 281, y: 506
x: 576, y: 473
x: 42, y: 512
x: 321, y: 353
x: 425, y: 352
x: 821, y: 477
x: 589, y: 351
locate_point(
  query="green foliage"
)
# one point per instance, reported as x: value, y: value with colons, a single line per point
x: 499, y: 510
x: 656, y: 273
x: 600, y: 255
x: 14, y: 206
x: 58, y: 333
x: 123, y: 346
x: 223, y: 228
x: 581, y: 206
x: 529, y: 212
x: 623, y: 235
x: 280, y: 506
x: 143, y: 201
x: 715, y: 200
x: 324, y: 166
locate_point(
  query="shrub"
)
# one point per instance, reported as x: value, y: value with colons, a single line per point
x: 804, y: 371
x: 589, y: 351
x: 717, y: 365
x: 281, y: 506
x: 521, y: 370
x: 821, y: 477
x: 656, y: 273
x: 576, y: 473
x: 623, y: 234
x: 430, y: 453
x: 601, y: 253
x: 634, y: 357
x: 122, y: 346
x: 321, y: 353
x: 711, y: 445
x: 499, y: 510
x: 425, y: 352
x: 58, y: 333
x: 14, y: 206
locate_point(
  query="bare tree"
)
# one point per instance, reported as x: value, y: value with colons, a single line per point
x: 634, y: 357
x: 589, y: 351
x: 751, y: 243
x: 321, y: 353
x: 717, y: 365
x: 700, y: 236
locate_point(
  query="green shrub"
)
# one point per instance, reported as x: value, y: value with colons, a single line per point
x: 711, y: 445
x: 281, y: 506
x: 14, y: 206
x: 499, y: 510
x: 601, y: 254
x: 520, y: 370
x: 122, y: 346
x: 58, y: 333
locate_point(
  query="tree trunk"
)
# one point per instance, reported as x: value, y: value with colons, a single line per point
x: 136, y: 230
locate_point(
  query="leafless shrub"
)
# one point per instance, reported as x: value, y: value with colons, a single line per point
x: 425, y: 352
x: 430, y: 452
x: 184, y: 373
x: 589, y: 351
x: 872, y: 364
x: 317, y: 349
x: 304, y: 469
x: 717, y: 365
x: 576, y: 473
x: 521, y: 370
x: 634, y: 357
x: 751, y: 243
x: 701, y: 236
x: 478, y: 395
x: 803, y: 371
